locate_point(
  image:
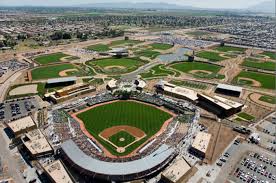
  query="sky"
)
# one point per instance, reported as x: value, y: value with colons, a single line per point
x: 229, y: 4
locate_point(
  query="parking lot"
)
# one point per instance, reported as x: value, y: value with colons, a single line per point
x: 255, y: 168
x: 17, y: 108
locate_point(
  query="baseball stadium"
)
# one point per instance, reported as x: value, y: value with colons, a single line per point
x: 111, y: 137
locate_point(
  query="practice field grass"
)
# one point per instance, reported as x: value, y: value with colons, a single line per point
x: 148, y: 53
x: 212, y: 56
x: 53, y: 71
x: 270, y: 66
x: 98, y: 47
x: 200, y: 67
x: 159, y: 71
x: 267, y: 80
x: 161, y: 46
x: 147, y: 118
x: 268, y: 99
x: 50, y: 58
x: 125, y: 42
x: 230, y: 49
x: 116, y: 65
x: 246, y: 116
x: 272, y: 55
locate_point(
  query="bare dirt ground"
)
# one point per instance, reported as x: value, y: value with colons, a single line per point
x: 64, y: 72
x: 231, y: 68
x: 21, y: 90
x: 221, y: 137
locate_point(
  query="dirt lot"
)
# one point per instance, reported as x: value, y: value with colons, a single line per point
x: 221, y: 137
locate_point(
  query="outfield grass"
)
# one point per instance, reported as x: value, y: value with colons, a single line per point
x: 159, y: 71
x: 267, y: 80
x: 270, y: 66
x: 98, y: 47
x: 212, y: 56
x: 125, y: 42
x: 50, y: 58
x: 272, y: 55
x: 145, y: 117
x: 246, y: 116
x: 148, y: 53
x: 189, y: 84
x: 268, y: 99
x: 230, y: 48
x: 124, y: 65
x: 161, y: 46
x: 53, y: 71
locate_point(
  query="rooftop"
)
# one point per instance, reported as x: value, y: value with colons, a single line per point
x: 188, y: 93
x: 177, y: 170
x: 111, y: 168
x: 61, y: 80
x: 229, y: 102
x: 201, y: 141
x: 217, y: 101
x: 36, y: 143
x: 21, y: 124
x: 229, y: 87
x: 57, y: 172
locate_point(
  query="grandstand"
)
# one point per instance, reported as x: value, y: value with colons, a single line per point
x: 116, y: 171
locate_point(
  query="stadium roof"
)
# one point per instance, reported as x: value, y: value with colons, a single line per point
x: 115, y: 168
x: 61, y: 80
x: 229, y: 87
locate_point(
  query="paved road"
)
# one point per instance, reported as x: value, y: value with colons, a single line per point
x: 9, y: 160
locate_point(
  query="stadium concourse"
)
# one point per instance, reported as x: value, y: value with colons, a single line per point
x: 86, y: 158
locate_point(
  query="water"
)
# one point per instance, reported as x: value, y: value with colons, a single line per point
x: 179, y: 55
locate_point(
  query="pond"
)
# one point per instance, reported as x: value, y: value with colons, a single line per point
x: 179, y: 55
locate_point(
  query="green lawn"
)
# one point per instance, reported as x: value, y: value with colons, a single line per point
x: 186, y: 67
x: 125, y: 42
x: 53, y: 71
x: 161, y: 46
x: 246, y: 116
x: 189, y: 84
x: 230, y: 48
x: 260, y: 65
x: 272, y: 55
x: 267, y: 80
x: 268, y: 99
x: 145, y: 117
x: 148, y: 53
x: 98, y: 47
x: 115, y: 139
x: 159, y: 71
x: 116, y: 65
x: 212, y: 56
x: 50, y: 58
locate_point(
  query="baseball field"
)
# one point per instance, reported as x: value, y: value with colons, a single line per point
x: 160, y: 46
x: 230, y: 49
x: 268, y: 65
x: 212, y: 56
x: 50, y: 58
x: 199, y: 69
x: 99, y: 47
x: 122, y: 126
x: 55, y: 71
x: 116, y: 65
x: 255, y: 79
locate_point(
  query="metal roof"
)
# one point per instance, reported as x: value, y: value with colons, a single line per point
x: 61, y: 80
x: 116, y: 168
x: 229, y: 87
